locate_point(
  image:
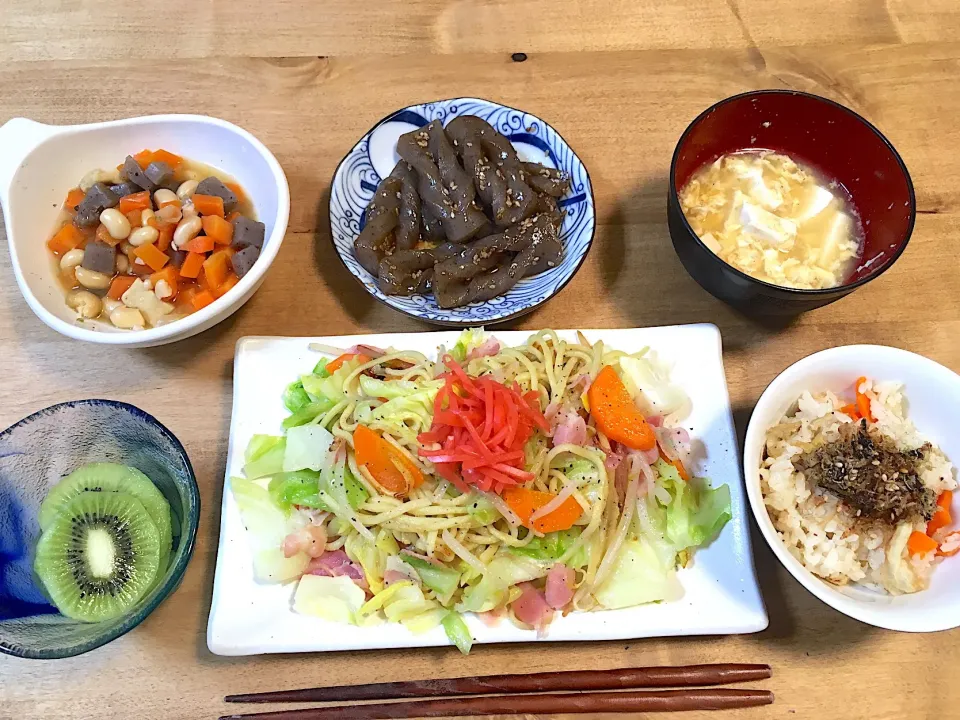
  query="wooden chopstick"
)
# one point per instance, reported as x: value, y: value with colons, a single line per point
x: 611, y: 702
x: 617, y: 679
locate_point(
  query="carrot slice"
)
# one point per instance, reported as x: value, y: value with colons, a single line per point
x: 615, y: 413
x: 120, y: 284
x: 525, y: 502
x: 208, y: 204
x: 216, y: 268
x: 192, y: 265
x: 152, y: 256
x: 920, y: 544
x: 392, y: 470
x: 74, y: 198
x: 136, y: 201
x: 238, y: 191
x: 166, y: 235
x: 200, y: 244
x: 219, y: 229
x: 678, y: 464
x: 169, y: 274
x: 66, y: 239
x: 863, y: 402
x: 941, y: 517
x: 202, y: 299
x: 144, y: 158
x: 226, y: 286
x: 336, y: 363
x: 161, y: 155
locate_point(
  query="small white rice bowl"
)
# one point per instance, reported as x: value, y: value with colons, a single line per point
x: 820, y: 530
x: 915, y: 400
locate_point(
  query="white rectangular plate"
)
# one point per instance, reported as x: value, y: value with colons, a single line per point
x: 721, y: 595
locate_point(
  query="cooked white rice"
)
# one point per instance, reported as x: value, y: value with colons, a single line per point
x: 817, y: 528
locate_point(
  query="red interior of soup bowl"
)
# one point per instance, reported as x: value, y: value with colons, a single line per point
x: 830, y: 138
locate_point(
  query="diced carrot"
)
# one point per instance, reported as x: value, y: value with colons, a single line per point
x: 391, y: 469
x: 208, y: 204
x: 152, y: 256
x: 920, y: 544
x: 169, y: 273
x: 202, y: 280
x: 105, y: 237
x: 219, y: 229
x: 67, y: 238
x: 202, y: 299
x: 136, y: 201
x: 199, y: 244
x: 151, y: 221
x: 525, y: 502
x: 863, y: 402
x: 120, y: 284
x: 851, y: 411
x: 226, y: 286
x: 941, y: 516
x: 161, y: 155
x: 134, y: 217
x: 144, y: 158
x: 216, y: 268
x: 74, y: 198
x: 238, y: 191
x: 166, y: 235
x: 615, y: 412
x: 192, y: 265
x: 233, y: 216
x: 336, y: 363
x: 187, y: 292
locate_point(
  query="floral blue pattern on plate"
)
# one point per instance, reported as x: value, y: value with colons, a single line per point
x: 375, y: 156
x: 34, y: 454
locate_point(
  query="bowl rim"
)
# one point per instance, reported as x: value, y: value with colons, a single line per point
x: 221, y: 307
x: 176, y: 571
x: 800, y: 292
x: 467, y: 322
x: 850, y: 606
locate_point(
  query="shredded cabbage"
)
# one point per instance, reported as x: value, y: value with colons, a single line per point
x: 457, y: 632
x: 696, y: 512
x: 504, y: 571
x: 442, y: 580
x: 264, y: 456
x: 552, y: 546
x: 648, y: 380
x: 638, y: 576
x: 468, y: 340
x: 307, y: 447
x: 337, y: 599
x: 267, y: 526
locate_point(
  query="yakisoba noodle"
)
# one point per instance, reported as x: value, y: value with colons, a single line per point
x: 503, y: 556
x: 545, y: 364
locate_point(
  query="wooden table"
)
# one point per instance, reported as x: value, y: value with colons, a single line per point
x: 620, y: 81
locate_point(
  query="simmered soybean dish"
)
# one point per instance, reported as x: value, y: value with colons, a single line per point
x: 775, y: 219
x: 461, y: 215
x: 106, y: 542
x: 153, y: 240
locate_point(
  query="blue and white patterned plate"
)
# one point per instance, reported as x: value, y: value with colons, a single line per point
x: 375, y: 156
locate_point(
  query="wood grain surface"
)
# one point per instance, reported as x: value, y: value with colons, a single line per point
x: 619, y: 79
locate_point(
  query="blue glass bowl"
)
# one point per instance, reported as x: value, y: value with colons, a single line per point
x: 34, y: 454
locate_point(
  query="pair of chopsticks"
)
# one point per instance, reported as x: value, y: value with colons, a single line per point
x: 580, y: 691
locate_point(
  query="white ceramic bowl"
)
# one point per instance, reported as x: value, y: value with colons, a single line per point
x: 39, y: 163
x: 933, y: 404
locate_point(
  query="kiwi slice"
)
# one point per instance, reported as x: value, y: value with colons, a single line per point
x: 100, y: 556
x: 111, y: 477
